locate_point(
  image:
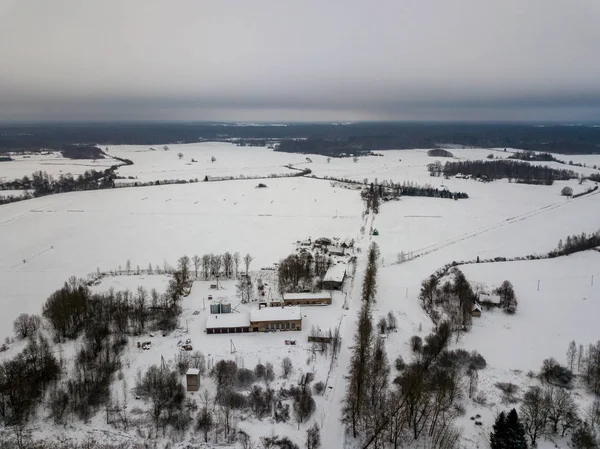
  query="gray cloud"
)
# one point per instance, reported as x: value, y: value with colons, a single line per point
x: 299, y: 60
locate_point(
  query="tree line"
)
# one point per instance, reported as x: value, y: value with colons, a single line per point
x: 576, y: 243
x: 513, y: 170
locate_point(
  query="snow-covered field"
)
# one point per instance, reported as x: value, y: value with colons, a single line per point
x: 46, y: 240
x: 152, y: 163
x: 52, y: 238
x: 52, y: 162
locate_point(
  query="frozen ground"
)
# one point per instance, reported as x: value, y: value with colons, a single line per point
x: 52, y: 238
x: 46, y: 240
x: 52, y: 163
x: 231, y: 160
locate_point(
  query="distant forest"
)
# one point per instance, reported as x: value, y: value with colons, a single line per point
x: 498, y: 169
x: 316, y: 138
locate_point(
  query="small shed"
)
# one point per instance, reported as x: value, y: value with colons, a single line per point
x: 375, y: 232
x: 192, y: 378
x: 476, y: 310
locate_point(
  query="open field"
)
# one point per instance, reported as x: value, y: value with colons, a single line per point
x: 52, y: 163
x: 49, y: 239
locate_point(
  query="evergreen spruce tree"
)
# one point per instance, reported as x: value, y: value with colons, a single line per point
x: 498, y: 435
x: 515, y: 436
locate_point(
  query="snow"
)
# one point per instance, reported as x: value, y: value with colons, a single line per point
x: 192, y: 372
x: 335, y: 273
x: 275, y: 314
x: 231, y: 160
x: 103, y: 229
x: 220, y: 320
x: 565, y: 308
x: 47, y: 240
x: 52, y: 162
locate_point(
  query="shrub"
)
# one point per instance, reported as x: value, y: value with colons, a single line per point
x: 477, y: 361
x: 319, y: 388
x: 399, y: 363
x: 416, y: 343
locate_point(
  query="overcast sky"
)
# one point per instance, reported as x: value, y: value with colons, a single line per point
x: 300, y: 60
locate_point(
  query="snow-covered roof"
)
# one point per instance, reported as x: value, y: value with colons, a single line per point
x: 193, y: 371
x: 275, y: 314
x: 297, y: 296
x: 337, y: 249
x: 220, y: 320
x: 490, y: 298
x: 476, y: 307
x: 335, y: 273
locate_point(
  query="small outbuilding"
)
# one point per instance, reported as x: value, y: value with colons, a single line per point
x: 476, y: 310
x: 334, y: 278
x: 192, y: 379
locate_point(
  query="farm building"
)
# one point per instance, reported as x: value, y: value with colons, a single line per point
x: 489, y: 300
x: 192, y: 379
x: 306, y: 299
x: 228, y: 323
x: 336, y: 250
x: 476, y: 310
x: 261, y: 320
x: 275, y: 318
x: 347, y: 242
x: 334, y: 278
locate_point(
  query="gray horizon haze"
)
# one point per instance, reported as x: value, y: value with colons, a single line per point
x: 308, y: 60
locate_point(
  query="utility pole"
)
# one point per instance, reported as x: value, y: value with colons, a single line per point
x: 538, y: 288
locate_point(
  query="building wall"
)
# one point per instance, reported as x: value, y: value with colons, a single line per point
x: 305, y: 302
x: 282, y: 325
x: 193, y: 382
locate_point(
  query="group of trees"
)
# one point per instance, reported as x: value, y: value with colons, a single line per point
x: 576, y: 243
x: 508, y: 432
x: 369, y: 367
x: 301, y: 271
x: 25, y: 378
x: 396, y: 190
x: 533, y: 156
x: 420, y: 402
x: 211, y: 266
x: 454, y: 297
x: 449, y: 293
x: 439, y: 152
x: 101, y: 324
x: 500, y: 168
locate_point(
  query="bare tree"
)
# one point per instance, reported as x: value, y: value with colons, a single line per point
x: 236, y: 262
x: 473, y: 381
x: 197, y: 262
x: 206, y: 265
x: 128, y: 266
x: 571, y: 354
x: 26, y: 325
x: 580, y: 357
x: 313, y: 437
x: 183, y: 266
x: 180, y: 155
x: 286, y: 367
x: 534, y: 412
x: 228, y: 264
x: 247, y: 261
